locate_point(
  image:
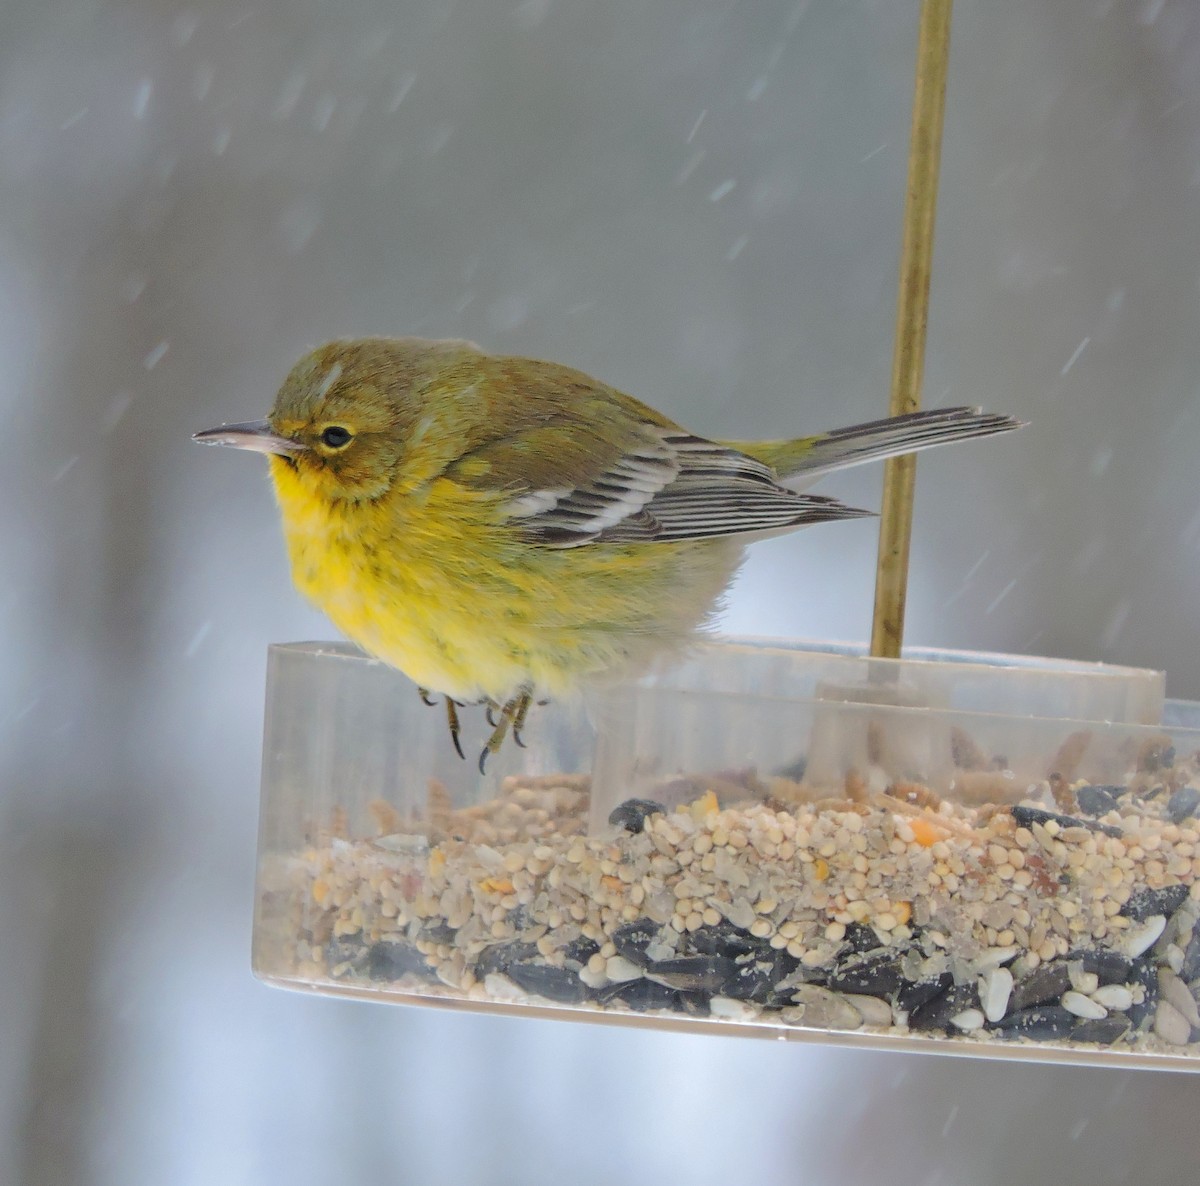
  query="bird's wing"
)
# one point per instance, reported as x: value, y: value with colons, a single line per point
x: 661, y: 484
x: 581, y: 463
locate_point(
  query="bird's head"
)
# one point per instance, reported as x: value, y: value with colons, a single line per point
x: 347, y: 415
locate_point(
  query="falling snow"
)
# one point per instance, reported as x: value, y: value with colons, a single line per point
x: 289, y: 96
x: 795, y: 17
x: 298, y: 223
x: 995, y: 602
x: 184, y: 26
x: 1115, y: 624
x: 692, y: 165
x: 197, y: 639
x: 323, y: 112
x: 977, y: 566
x: 965, y: 583
x: 64, y: 469
x: 1150, y: 12
x: 22, y: 713
x: 202, y: 81
x: 402, y: 88
x: 331, y: 377
x: 141, y: 102
x: 135, y: 285
x: 373, y: 44
x: 156, y: 355
x: 531, y: 13
x: 509, y: 312
x: 1075, y: 357
x: 1089, y: 555
x: 439, y: 138
x: 115, y: 411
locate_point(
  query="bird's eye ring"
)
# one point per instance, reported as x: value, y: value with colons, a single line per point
x: 336, y: 437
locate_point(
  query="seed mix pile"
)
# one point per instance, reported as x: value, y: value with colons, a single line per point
x: 1068, y: 915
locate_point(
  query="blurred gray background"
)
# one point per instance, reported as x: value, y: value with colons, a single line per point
x: 696, y: 200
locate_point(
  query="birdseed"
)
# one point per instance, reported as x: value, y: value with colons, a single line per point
x: 893, y: 911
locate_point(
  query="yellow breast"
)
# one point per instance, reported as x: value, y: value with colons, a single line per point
x: 437, y: 585
x: 384, y: 581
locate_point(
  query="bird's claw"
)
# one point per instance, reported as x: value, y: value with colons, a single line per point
x: 512, y: 716
x: 455, y: 728
x: 519, y: 715
x: 502, y: 718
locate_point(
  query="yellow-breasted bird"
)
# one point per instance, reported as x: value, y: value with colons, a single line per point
x: 499, y: 528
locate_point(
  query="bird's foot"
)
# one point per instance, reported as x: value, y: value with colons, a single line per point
x: 512, y: 716
x: 519, y: 717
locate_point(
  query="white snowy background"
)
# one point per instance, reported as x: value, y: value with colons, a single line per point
x: 696, y: 200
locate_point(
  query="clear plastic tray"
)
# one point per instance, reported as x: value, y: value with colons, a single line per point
x: 955, y: 853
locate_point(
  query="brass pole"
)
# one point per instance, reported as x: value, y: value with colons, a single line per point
x: 912, y: 315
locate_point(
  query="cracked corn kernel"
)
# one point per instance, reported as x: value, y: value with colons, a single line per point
x: 494, y: 885
x: 925, y: 833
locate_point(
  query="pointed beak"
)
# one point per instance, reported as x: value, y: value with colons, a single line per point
x: 256, y: 435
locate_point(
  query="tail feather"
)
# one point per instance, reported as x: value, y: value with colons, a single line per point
x: 813, y: 456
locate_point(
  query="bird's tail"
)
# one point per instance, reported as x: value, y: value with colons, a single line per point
x: 814, y: 456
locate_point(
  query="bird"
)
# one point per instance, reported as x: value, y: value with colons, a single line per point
x: 504, y: 529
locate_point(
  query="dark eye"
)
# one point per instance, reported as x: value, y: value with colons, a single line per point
x: 336, y: 437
